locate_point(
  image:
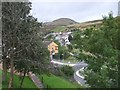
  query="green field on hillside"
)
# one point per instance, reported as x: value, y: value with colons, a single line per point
x: 53, y: 81
x: 71, y: 60
x: 59, y: 29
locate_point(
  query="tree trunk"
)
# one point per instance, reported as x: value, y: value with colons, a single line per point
x: 23, y: 78
x: 11, y: 74
x: 4, y: 73
x: 20, y: 76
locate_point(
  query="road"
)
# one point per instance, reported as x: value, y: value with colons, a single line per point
x: 76, y: 68
x: 77, y: 77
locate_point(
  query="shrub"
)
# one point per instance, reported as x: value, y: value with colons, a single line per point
x: 67, y: 70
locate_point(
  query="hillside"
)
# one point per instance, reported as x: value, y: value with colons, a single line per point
x: 86, y: 24
x: 61, y: 22
x: 65, y: 24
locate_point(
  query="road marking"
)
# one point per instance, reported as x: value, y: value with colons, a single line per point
x: 77, y: 73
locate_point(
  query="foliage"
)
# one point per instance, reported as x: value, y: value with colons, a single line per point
x: 70, y: 47
x: 62, y: 50
x: 56, y: 56
x: 67, y: 70
x: 49, y: 37
x: 71, y: 59
x: 99, y: 49
x: 22, y: 44
x: 70, y: 38
x: 28, y: 83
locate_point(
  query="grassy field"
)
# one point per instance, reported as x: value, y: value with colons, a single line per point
x: 70, y: 59
x: 59, y: 29
x: 28, y: 83
x: 57, y: 82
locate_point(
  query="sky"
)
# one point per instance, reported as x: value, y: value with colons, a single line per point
x: 78, y: 10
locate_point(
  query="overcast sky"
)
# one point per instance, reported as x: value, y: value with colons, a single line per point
x: 80, y: 11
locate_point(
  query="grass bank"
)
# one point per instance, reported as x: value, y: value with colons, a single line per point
x: 28, y: 83
x: 53, y: 81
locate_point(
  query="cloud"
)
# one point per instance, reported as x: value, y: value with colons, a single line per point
x: 74, y: 0
x: 79, y: 11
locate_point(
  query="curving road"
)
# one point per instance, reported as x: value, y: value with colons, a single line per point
x: 77, y: 67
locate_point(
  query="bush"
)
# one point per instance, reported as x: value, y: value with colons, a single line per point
x: 70, y: 48
x: 66, y: 55
x: 67, y: 70
x: 56, y: 56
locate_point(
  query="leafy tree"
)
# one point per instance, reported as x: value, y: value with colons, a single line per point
x: 70, y: 47
x: 70, y: 38
x: 62, y: 50
x: 99, y: 49
x: 21, y: 41
x: 11, y: 21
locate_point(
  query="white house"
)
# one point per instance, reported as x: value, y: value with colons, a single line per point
x: 63, y: 38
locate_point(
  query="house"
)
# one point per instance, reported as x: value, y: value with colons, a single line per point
x: 66, y: 40
x: 53, y: 48
x: 63, y: 38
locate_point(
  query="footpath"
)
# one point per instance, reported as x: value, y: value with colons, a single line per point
x: 36, y: 80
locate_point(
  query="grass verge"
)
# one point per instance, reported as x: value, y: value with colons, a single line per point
x: 53, y: 81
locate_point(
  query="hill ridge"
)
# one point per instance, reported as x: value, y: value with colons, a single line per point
x: 61, y: 22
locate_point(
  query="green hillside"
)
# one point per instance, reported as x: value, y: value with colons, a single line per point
x: 59, y: 29
x: 53, y: 81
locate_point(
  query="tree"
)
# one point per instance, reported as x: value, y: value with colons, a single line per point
x: 70, y: 47
x: 70, y: 38
x: 62, y: 51
x: 99, y: 49
x: 11, y: 18
x: 22, y: 45
x: 67, y: 70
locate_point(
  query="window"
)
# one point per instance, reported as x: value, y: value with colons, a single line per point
x: 56, y: 48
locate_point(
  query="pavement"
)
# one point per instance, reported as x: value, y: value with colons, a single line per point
x: 77, y: 68
x: 36, y: 80
x: 61, y: 63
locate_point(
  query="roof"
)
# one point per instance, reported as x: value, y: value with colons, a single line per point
x: 46, y: 43
x: 53, y: 43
